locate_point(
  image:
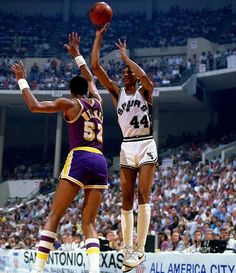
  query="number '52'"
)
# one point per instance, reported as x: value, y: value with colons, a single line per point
x: 89, y: 131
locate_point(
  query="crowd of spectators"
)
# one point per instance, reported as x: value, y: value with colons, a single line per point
x: 177, y: 25
x: 191, y: 202
x: 38, y: 36
x: 55, y: 74
x: 215, y: 61
x: 172, y: 28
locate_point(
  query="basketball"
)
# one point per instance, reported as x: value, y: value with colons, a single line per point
x: 100, y: 13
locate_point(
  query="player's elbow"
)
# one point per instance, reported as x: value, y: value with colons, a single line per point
x: 146, y: 82
x: 33, y: 108
x: 95, y: 66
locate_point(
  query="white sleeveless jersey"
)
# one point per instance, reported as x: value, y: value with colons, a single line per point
x: 134, y: 114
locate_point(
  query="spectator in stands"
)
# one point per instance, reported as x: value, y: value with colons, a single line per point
x: 219, y: 224
x: 213, y: 224
x: 233, y: 216
x: 197, y: 243
x: 186, y: 239
x: 209, y: 235
x: 194, y: 225
x: 67, y: 242
x: 78, y: 241
x: 176, y: 243
x: 112, y: 240
x: 217, y: 59
x: 3, y: 242
x: 163, y: 241
x: 225, y: 236
x: 16, y: 242
x: 210, y: 61
x: 221, y: 213
x: 27, y: 242
x: 34, y: 72
x: 174, y: 224
x: 120, y: 242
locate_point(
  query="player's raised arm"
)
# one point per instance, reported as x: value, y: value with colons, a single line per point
x: 58, y: 105
x: 138, y: 71
x: 73, y: 49
x: 98, y: 70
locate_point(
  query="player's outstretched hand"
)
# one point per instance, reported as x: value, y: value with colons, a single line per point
x: 73, y: 44
x: 102, y: 29
x: 122, y: 47
x: 19, y: 70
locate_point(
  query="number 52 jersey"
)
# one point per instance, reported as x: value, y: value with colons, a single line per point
x: 87, y: 128
x: 134, y: 114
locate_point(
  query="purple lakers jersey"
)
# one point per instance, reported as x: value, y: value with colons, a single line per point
x: 86, y: 129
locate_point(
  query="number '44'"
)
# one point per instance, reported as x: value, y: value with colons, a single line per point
x: 136, y: 123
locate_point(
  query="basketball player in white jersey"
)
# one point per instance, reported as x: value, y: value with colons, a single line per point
x: 138, y: 155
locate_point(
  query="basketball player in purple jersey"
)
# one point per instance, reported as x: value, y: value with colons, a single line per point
x: 138, y: 154
x: 85, y: 167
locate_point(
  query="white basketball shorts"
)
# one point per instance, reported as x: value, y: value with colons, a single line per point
x: 136, y: 152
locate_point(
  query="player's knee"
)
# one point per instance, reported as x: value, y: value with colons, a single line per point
x: 127, y: 202
x: 127, y: 198
x: 143, y: 196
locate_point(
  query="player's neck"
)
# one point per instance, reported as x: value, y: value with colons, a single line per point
x: 80, y: 97
x: 130, y: 89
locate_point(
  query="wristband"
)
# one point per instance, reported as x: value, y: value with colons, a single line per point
x: 23, y: 84
x: 80, y: 60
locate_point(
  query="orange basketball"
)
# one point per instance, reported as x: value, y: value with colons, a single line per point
x: 100, y: 13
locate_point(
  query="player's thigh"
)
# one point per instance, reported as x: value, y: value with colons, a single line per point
x: 65, y: 193
x: 92, y: 202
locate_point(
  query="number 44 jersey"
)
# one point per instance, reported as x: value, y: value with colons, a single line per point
x: 134, y: 114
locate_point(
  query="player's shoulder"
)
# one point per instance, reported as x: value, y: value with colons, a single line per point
x: 65, y: 101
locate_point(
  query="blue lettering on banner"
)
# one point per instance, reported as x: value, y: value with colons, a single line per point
x: 156, y: 268
x: 223, y: 268
x: 186, y: 268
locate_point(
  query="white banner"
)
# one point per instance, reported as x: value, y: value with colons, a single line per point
x: 21, y: 261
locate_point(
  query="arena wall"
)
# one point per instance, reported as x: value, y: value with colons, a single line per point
x: 185, y: 123
x: 4, y: 193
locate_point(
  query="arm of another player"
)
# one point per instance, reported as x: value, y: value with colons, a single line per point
x: 98, y: 70
x: 58, y: 105
x: 73, y: 49
x: 138, y: 71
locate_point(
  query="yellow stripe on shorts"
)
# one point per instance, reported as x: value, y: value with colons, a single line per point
x: 67, y: 165
x: 88, y: 149
x: 41, y: 255
x: 92, y: 250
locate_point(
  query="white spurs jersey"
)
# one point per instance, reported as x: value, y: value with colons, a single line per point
x: 134, y: 114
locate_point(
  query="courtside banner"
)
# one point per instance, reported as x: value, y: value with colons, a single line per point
x: 21, y: 261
